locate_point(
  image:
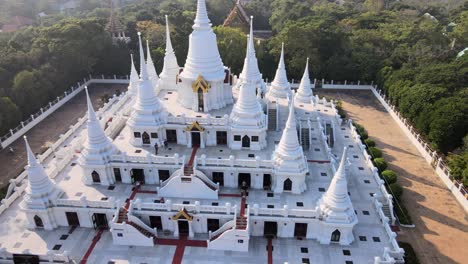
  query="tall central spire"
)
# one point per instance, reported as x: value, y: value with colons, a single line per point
x: 203, y: 56
x: 201, y: 19
x: 280, y: 86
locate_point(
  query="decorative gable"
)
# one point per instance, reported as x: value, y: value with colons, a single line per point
x: 200, y: 83
x: 182, y: 214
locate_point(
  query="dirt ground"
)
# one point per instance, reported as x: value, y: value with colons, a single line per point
x: 47, y: 132
x: 441, y: 232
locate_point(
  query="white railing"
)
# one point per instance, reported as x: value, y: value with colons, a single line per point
x: 150, y: 158
x: 209, y: 120
x: 233, y: 162
x: 227, y: 226
x: 395, y: 253
x: 49, y: 257
x: 431, y: 157
x: 141, y: 224
x: 83, y: 202
x: 196, y: 207
x: 284, y: 212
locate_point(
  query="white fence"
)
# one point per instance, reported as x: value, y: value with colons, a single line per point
x: 431, y: 157
x: 48, y: 109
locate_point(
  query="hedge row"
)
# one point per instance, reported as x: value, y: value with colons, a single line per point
x: 389, y: 176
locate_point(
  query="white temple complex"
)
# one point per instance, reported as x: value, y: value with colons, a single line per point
x: 190, y: 158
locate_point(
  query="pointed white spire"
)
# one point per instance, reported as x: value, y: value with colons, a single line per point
x: 289, y: 147
x: 134, y: 78
x: 247, y: 111
x: 304, y: 92
x: 253, y: 73
x: 152, y: 74
x: 143, y: 69
x: 171, y: 67
x: 41, y: 190
x: 147, y: 109
x: 280, y: 87
x: 98, y: 147
x: 203, y: 56
x: 201, y: 18
x: 335, y: 204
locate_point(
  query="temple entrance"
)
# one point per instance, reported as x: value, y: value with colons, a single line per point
x: 155, y: 221
x: 300, y: 230
x: 163, y: 175
x: 213, y: 224
x: 95, y: 177
x: 266, y: 181
x: 221, y: 138
x: 243, y: 177
x: 146, y: 138
x: 171, y: 136
x: 183, y: 227
x: 201, y: 106
x: 38, y: 221
x: 335, y: 236
x: 196, y: 140
x: 72, y: 219
x: 138, y: 175
x: 218, y: 177
x: 270, y: 229
x: 287, y: 185
x: 100, y: 221
x: 26, y: 258
x: 117, y: 175
x: 245, y: 141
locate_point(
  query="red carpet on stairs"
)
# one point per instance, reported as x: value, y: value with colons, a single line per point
x: 192, y: 157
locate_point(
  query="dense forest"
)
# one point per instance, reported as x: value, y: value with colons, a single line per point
x: 409, y: 48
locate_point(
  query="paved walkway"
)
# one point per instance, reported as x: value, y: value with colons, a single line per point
x: 47, y: 132
x: 441, y: 233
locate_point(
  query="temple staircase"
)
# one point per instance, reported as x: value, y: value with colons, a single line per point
x: 272, y: 116
x: 386, y: 210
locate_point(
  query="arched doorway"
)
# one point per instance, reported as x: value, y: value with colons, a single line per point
x: 335, y: 237
x: 201, y: 106
x: 245, y: 141
x: 95, y: 176
x: 146, y: 138
x: 287, y: 185
x: 196, y: 139
x: 38, y: 221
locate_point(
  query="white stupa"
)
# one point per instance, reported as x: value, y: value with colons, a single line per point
x: 134, y: 79
x: 280, y: 87
x: 247, y: 117
x: 152, y: 74
x: 202, y: 88
x: 335, y: 205
x: 288, y: 157
x: 170, y: 71
x: 98, y: 148
x: 148, y: 114
x: 41, y: 191
x: 253, y: 72
x: 304, y: 92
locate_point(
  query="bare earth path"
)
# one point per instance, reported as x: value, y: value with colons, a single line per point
x: 441, y: 233
x: 49, y: 130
